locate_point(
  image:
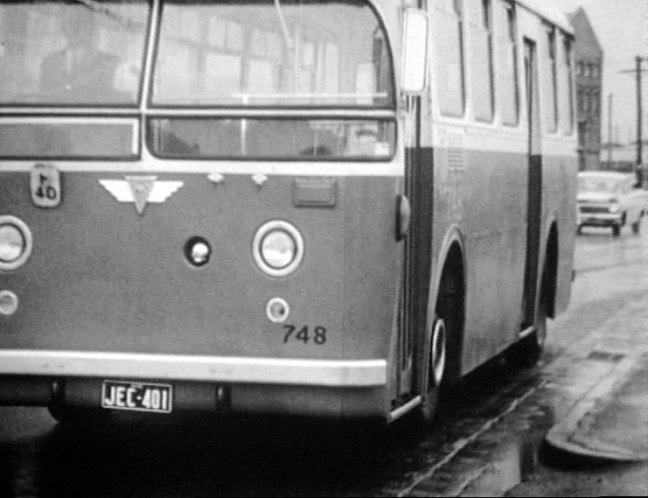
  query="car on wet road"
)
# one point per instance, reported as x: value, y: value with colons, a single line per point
x: 610, y: 199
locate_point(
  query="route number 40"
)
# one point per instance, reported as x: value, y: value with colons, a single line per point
x: 45, y: 186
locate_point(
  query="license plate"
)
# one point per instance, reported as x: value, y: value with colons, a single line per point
x: 137, y: 396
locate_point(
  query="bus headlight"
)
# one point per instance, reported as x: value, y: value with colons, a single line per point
x: 15, y: 242
x: 277, y: 248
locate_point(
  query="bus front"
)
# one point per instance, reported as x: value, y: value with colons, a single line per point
x: 198, y: 206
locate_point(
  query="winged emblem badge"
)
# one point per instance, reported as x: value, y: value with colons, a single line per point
x: 141, y: 190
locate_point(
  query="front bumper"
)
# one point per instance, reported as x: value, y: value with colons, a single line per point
x: 322, y: 388
x: 599, y: 219
x: 226, y: 369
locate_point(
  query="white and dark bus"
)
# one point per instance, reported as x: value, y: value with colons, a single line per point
x: 315, y: 207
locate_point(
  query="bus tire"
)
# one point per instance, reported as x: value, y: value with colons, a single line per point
x: 636, y: 227
x: 433, y: 371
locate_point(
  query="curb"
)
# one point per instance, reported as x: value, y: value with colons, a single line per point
x: 570, y: 435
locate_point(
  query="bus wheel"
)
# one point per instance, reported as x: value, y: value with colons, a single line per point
x: 434, y: 371
x: 636, y: 226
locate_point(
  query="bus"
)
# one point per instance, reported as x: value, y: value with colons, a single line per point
x: 327, y: 208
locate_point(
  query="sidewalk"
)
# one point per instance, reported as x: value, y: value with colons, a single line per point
x: 609, y: 427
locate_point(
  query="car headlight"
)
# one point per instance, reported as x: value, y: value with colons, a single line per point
x: 614, y: 207
x: 15, y: 242
x: 277, y: 248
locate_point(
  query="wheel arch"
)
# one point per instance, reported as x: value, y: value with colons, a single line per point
x: 451, y: 261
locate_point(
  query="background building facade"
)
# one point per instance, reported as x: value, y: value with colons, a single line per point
x: 589, y: 83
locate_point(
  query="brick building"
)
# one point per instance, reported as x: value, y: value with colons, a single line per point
x: 588, y: 56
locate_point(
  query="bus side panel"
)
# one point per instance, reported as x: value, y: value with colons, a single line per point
x: 483, y: 194
x: 559, y: 186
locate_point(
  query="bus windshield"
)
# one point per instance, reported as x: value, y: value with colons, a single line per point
x: 272, y: 53
x: 81, y: 52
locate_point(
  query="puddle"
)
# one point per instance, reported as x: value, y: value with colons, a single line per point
x: 495, y: 462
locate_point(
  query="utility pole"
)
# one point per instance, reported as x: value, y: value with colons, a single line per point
x: 639, y: 114
x: 638, y: 70
x: 610, y: 99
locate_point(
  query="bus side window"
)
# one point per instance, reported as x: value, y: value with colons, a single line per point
x: 566, y: 87
x: 550, y: 79
x: 449, y: 56
x: 507, y: 70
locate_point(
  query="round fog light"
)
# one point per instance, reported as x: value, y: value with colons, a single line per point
x: 8, y: 302
x: 277, y: 310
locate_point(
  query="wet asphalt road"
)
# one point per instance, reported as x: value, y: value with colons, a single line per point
x: 486, y: 439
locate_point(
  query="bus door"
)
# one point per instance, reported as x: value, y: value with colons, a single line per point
x: 534, y: 183
x: 417, y: 246
x: 407, y: 309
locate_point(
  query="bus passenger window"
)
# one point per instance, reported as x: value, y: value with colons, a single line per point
x: 507, y: 80
x: 449, y: 57
x: 550, y: 80
x: 566, y: 88
x: 482, y: 62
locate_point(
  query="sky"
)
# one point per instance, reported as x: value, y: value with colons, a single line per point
x: 621, y: 27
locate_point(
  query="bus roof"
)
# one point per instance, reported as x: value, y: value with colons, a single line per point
x: 553, y: 15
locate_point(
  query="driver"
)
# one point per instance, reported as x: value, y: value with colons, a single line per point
x: 79, y: 70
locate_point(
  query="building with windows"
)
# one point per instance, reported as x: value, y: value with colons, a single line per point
x: 589, y: 80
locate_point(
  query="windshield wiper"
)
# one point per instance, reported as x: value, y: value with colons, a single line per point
x: 284, y: 27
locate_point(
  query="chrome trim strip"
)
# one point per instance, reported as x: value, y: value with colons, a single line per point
x: 209, y: 112
x: 276, y: 113
x: 327, y: 373
x: 328, y: 169
x: 402, y: 410
x: 526, y: 332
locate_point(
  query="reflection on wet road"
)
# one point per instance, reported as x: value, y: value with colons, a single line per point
x: 485, y: 441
